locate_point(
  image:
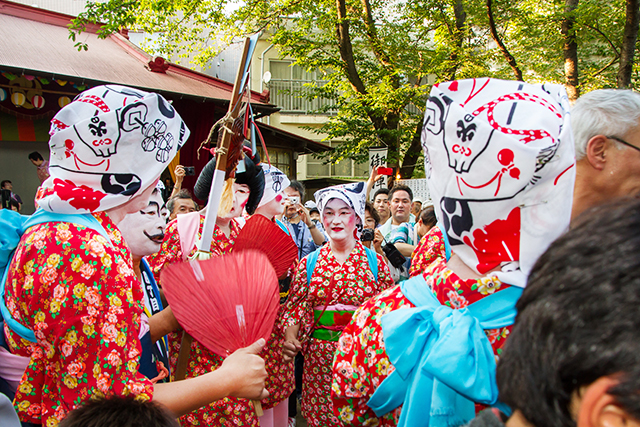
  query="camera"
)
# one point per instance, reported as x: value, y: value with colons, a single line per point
x: 190, y: 170
x: 367, y: 235
x: 393, y: 255
x: 294, y: 200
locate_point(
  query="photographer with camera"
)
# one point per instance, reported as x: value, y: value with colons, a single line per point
x: 298, y: 221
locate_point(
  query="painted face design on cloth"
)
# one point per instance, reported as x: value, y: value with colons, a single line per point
x: 107, y: 145
x: 493, y: 163
x: 144, y: 230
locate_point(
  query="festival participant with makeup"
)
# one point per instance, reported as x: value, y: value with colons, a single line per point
x: 73, y: 303
x: 410, y: 356
x: 144, y: 231
x: 329, y: 284
x: 178, y: 245
x: 280, y: 381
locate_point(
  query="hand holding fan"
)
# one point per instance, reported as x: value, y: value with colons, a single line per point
x: 227, y: 302
x: 265, y: 236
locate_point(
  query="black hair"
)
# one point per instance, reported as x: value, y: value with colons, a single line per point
x: 380, y: 191
x: 253, y: 177
x: 578, y: 320
x: 121, y: 412
x: 36, y: 156
x: 373, y: 212
x: 400, y: 187
x: 428, y: 216
x: 182, y: 194
x: 4, y: 182
x: 299, y: 187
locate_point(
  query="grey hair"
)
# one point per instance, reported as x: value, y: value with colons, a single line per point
x: 603, y: 112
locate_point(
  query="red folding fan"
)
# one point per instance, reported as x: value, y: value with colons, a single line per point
x: 226, y: 302
x: 265, y: 236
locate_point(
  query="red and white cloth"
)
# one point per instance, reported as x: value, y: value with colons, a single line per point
x: 109, y: 144
x: 499, y: 159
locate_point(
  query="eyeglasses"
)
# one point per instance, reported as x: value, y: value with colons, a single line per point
x: 622, y: 141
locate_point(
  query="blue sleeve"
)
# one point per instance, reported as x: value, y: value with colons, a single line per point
x: 400, y: 234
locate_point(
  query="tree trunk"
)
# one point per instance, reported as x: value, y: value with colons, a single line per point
x: 628, y: 44
x: 412, y: 154
x: 346, y: 48
x: 570, y: 50
x: 496, y: 37
x: 461, y: 17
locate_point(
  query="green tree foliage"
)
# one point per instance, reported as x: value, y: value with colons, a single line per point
x: 379, y: 58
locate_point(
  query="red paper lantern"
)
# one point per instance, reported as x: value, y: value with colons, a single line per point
x: 38, y: 101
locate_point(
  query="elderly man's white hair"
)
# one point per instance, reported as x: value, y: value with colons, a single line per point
x: 609, y: 112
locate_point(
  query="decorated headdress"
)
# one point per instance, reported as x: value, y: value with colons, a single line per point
x: 352, y: 194
x: 499, y: 160
x: 274, y: 182
x: 108, y: 145
x: 249, y: 174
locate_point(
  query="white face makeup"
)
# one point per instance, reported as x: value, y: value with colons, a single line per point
x: 273, y: 207
x: 339, y: 220
x: 144, y: 230
x: 240, y: 198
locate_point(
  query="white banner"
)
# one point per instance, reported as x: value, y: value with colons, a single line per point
x: 419, y: 188
x: 377, y: 158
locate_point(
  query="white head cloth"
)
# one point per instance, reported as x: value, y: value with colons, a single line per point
x: 108, y: 145
x: 499, y: 159
x: 275, y: 181
x: 352, y: 194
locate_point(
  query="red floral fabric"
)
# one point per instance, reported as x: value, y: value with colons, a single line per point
x: 81, y: 298
x: 361, y: 362
x: 430, y: 248
x: 354, y: 283
x: 228, y: 411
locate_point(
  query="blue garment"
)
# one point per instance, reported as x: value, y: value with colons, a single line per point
x: 302, y: 237
x: 152, y: 352
x: 372, y: 259
x: 442, y: 357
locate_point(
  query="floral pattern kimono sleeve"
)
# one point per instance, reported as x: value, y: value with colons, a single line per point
x: 81, y: 298
x: 296, y: 309
x: 430, y: 248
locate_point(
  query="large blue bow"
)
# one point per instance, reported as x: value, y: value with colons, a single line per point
x: 443, y: 359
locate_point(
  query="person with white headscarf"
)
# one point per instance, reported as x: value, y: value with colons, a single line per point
x: 328, y: 286
x: 500, y: 165
x: 73, y: 303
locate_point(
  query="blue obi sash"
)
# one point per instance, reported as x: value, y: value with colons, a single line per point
x: 443, y: 359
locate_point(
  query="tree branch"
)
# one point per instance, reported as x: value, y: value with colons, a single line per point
x: 597, y: 30
x: 494, y: 34
x: 412, y: 154
x: 601, y: 70
x: 346, y: 48
x: 376, y: 45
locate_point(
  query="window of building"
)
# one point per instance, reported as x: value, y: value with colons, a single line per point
x: 346, y: 168
x: 287, y: 87
x: 280, y: 158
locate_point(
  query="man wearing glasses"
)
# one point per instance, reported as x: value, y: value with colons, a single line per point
x: 606, y: 128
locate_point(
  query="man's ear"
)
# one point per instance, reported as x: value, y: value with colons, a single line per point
x: 597, y: 408
x: 596, y: 151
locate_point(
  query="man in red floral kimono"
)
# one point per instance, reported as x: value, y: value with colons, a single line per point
x: 73, y: 303
x: 500, y: 167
